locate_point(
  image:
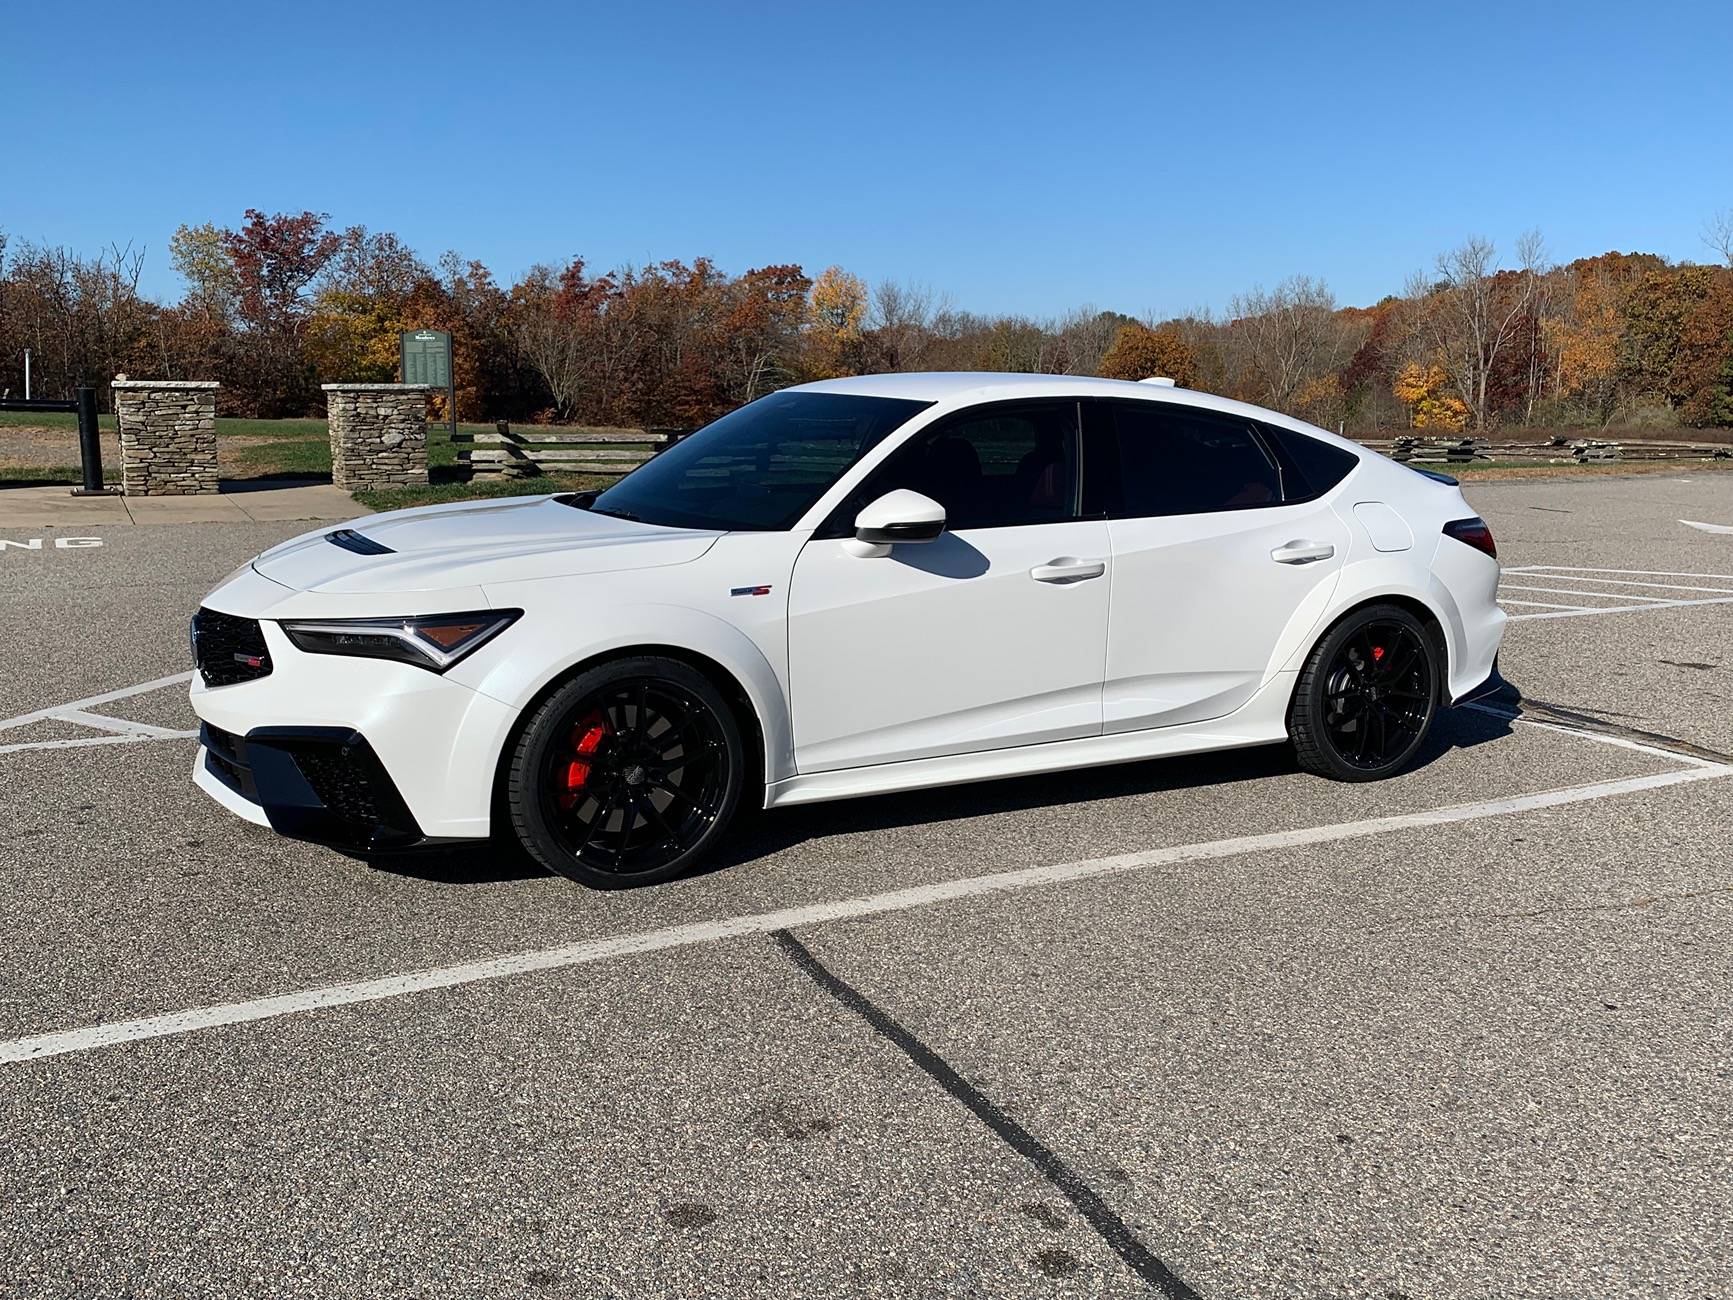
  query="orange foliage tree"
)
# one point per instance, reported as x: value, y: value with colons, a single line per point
x: 1138, y: 352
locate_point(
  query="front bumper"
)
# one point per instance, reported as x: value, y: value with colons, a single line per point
x: 425, y: 747
x: 323, y: 784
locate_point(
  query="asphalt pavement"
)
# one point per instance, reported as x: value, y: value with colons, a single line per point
x: 1199, y: 1027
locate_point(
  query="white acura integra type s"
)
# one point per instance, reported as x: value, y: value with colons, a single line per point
x: 850, y: 587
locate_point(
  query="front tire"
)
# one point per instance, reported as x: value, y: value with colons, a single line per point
x: 1367, y: 696
x: 628, y: 774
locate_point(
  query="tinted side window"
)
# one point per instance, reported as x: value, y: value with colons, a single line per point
x: 1006, y: 466
x: 1176, y: 461
x: 1312, y: 467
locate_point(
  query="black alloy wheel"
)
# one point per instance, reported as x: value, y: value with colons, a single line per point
x: 1366, y: 697
x: 628, y: 774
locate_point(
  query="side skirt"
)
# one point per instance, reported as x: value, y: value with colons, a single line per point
x: 1256, y: 723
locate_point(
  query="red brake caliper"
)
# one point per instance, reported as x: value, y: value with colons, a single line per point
x: 1377, y: 653
x: 587, y: 738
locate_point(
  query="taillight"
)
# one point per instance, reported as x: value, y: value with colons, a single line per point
x: 1474, y: 532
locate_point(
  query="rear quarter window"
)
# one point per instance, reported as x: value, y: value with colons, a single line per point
x: 1310, y: 466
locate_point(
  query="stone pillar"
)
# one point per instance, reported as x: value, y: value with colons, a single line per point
x: 168, y: 436
x: 378, y: 434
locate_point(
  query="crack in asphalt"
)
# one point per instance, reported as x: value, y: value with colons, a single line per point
x: 1096, y: 1212
x: 1588, y: 720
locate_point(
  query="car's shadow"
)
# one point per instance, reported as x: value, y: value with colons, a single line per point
x: 761, y: 834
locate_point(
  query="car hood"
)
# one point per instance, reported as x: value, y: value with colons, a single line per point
x: 473, y: 543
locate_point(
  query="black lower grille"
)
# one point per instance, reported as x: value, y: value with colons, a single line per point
x: 314, y: 783
x: 226, y: 760
x: 343, y: 777
x: 228, y: 649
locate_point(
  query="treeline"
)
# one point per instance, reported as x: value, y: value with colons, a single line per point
x: 283, y: 302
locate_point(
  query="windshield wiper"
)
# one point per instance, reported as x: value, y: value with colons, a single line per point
x: 617, y: 514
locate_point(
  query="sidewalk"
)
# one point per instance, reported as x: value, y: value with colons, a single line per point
x: 236, y: 503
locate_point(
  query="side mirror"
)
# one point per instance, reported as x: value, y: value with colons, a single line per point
x: 897, y: 517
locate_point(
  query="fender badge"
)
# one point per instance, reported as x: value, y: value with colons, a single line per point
x: 751, y: 591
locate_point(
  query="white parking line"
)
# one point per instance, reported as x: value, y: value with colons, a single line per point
x: 1627, y: 582
x: 1591, y: 584
x: 87, y: 742
x: 64, y: 1042
x: 1620, y: 609
x: 121, y: 726
x: 42, y: 715
x: 1603, y: 595
x: 1638, y: 573
x: 118, y: 731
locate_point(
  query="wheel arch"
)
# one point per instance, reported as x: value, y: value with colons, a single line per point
x: 746, y: 711
x: 1429, y: 618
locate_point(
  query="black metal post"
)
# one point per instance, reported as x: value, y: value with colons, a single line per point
x: 89, y: 444
x: 451, y: 385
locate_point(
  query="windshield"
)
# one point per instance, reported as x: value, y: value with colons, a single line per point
x: 758, y: 468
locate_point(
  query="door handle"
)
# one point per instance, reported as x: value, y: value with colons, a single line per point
x: 1298, y: 552
x: 1066, y: 569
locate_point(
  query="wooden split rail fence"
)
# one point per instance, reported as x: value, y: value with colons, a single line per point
x: 536, y: 449
x: 1558, y: 450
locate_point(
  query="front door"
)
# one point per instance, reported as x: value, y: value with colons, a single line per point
x: 992, y: 636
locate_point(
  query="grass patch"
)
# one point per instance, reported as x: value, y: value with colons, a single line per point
x: 232, y: 428
x: 441, y: 493
x: 1497, y: 469
x: 304, y: 458
x: 50, y: 420
x: 39, y: 475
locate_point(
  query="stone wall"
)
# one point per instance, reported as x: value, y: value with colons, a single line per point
x: 378, y: 434
x: 168, y: 436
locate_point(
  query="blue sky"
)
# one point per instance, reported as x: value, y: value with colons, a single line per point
x: 1014, y: 157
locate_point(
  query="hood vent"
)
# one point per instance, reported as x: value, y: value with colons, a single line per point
x: 350, y: 540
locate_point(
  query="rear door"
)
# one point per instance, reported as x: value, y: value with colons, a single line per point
x: 992, y: 636
x: 1214, y: 567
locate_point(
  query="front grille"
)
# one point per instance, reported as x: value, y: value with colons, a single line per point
x: 228, y: 649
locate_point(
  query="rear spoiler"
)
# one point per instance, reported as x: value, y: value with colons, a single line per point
x: 1436, y: 477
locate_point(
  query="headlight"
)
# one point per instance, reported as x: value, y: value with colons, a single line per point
x: 435, y: 642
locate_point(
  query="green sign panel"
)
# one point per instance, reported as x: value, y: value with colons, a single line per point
x: 427, y: 358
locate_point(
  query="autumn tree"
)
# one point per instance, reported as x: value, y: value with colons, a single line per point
x: 1702, y: 371
x: 1718, y: 234
x: 1288, y: 339
x: 1584, y: 330
x: 372, y: 290
x: 554, y: 316
x: 82, y: 318
x: 276, y: 261
x: 837, y: 310
x: 1469, y: 316
x: 1425, y: 391
x: 1079, y: 341
x: 902, y: 333
x: 761, y: 332
x: 1138, y: 352
x: 1655, y: 316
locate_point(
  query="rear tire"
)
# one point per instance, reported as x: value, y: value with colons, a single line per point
x: 1366, y: 698
x: 628, y: 774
